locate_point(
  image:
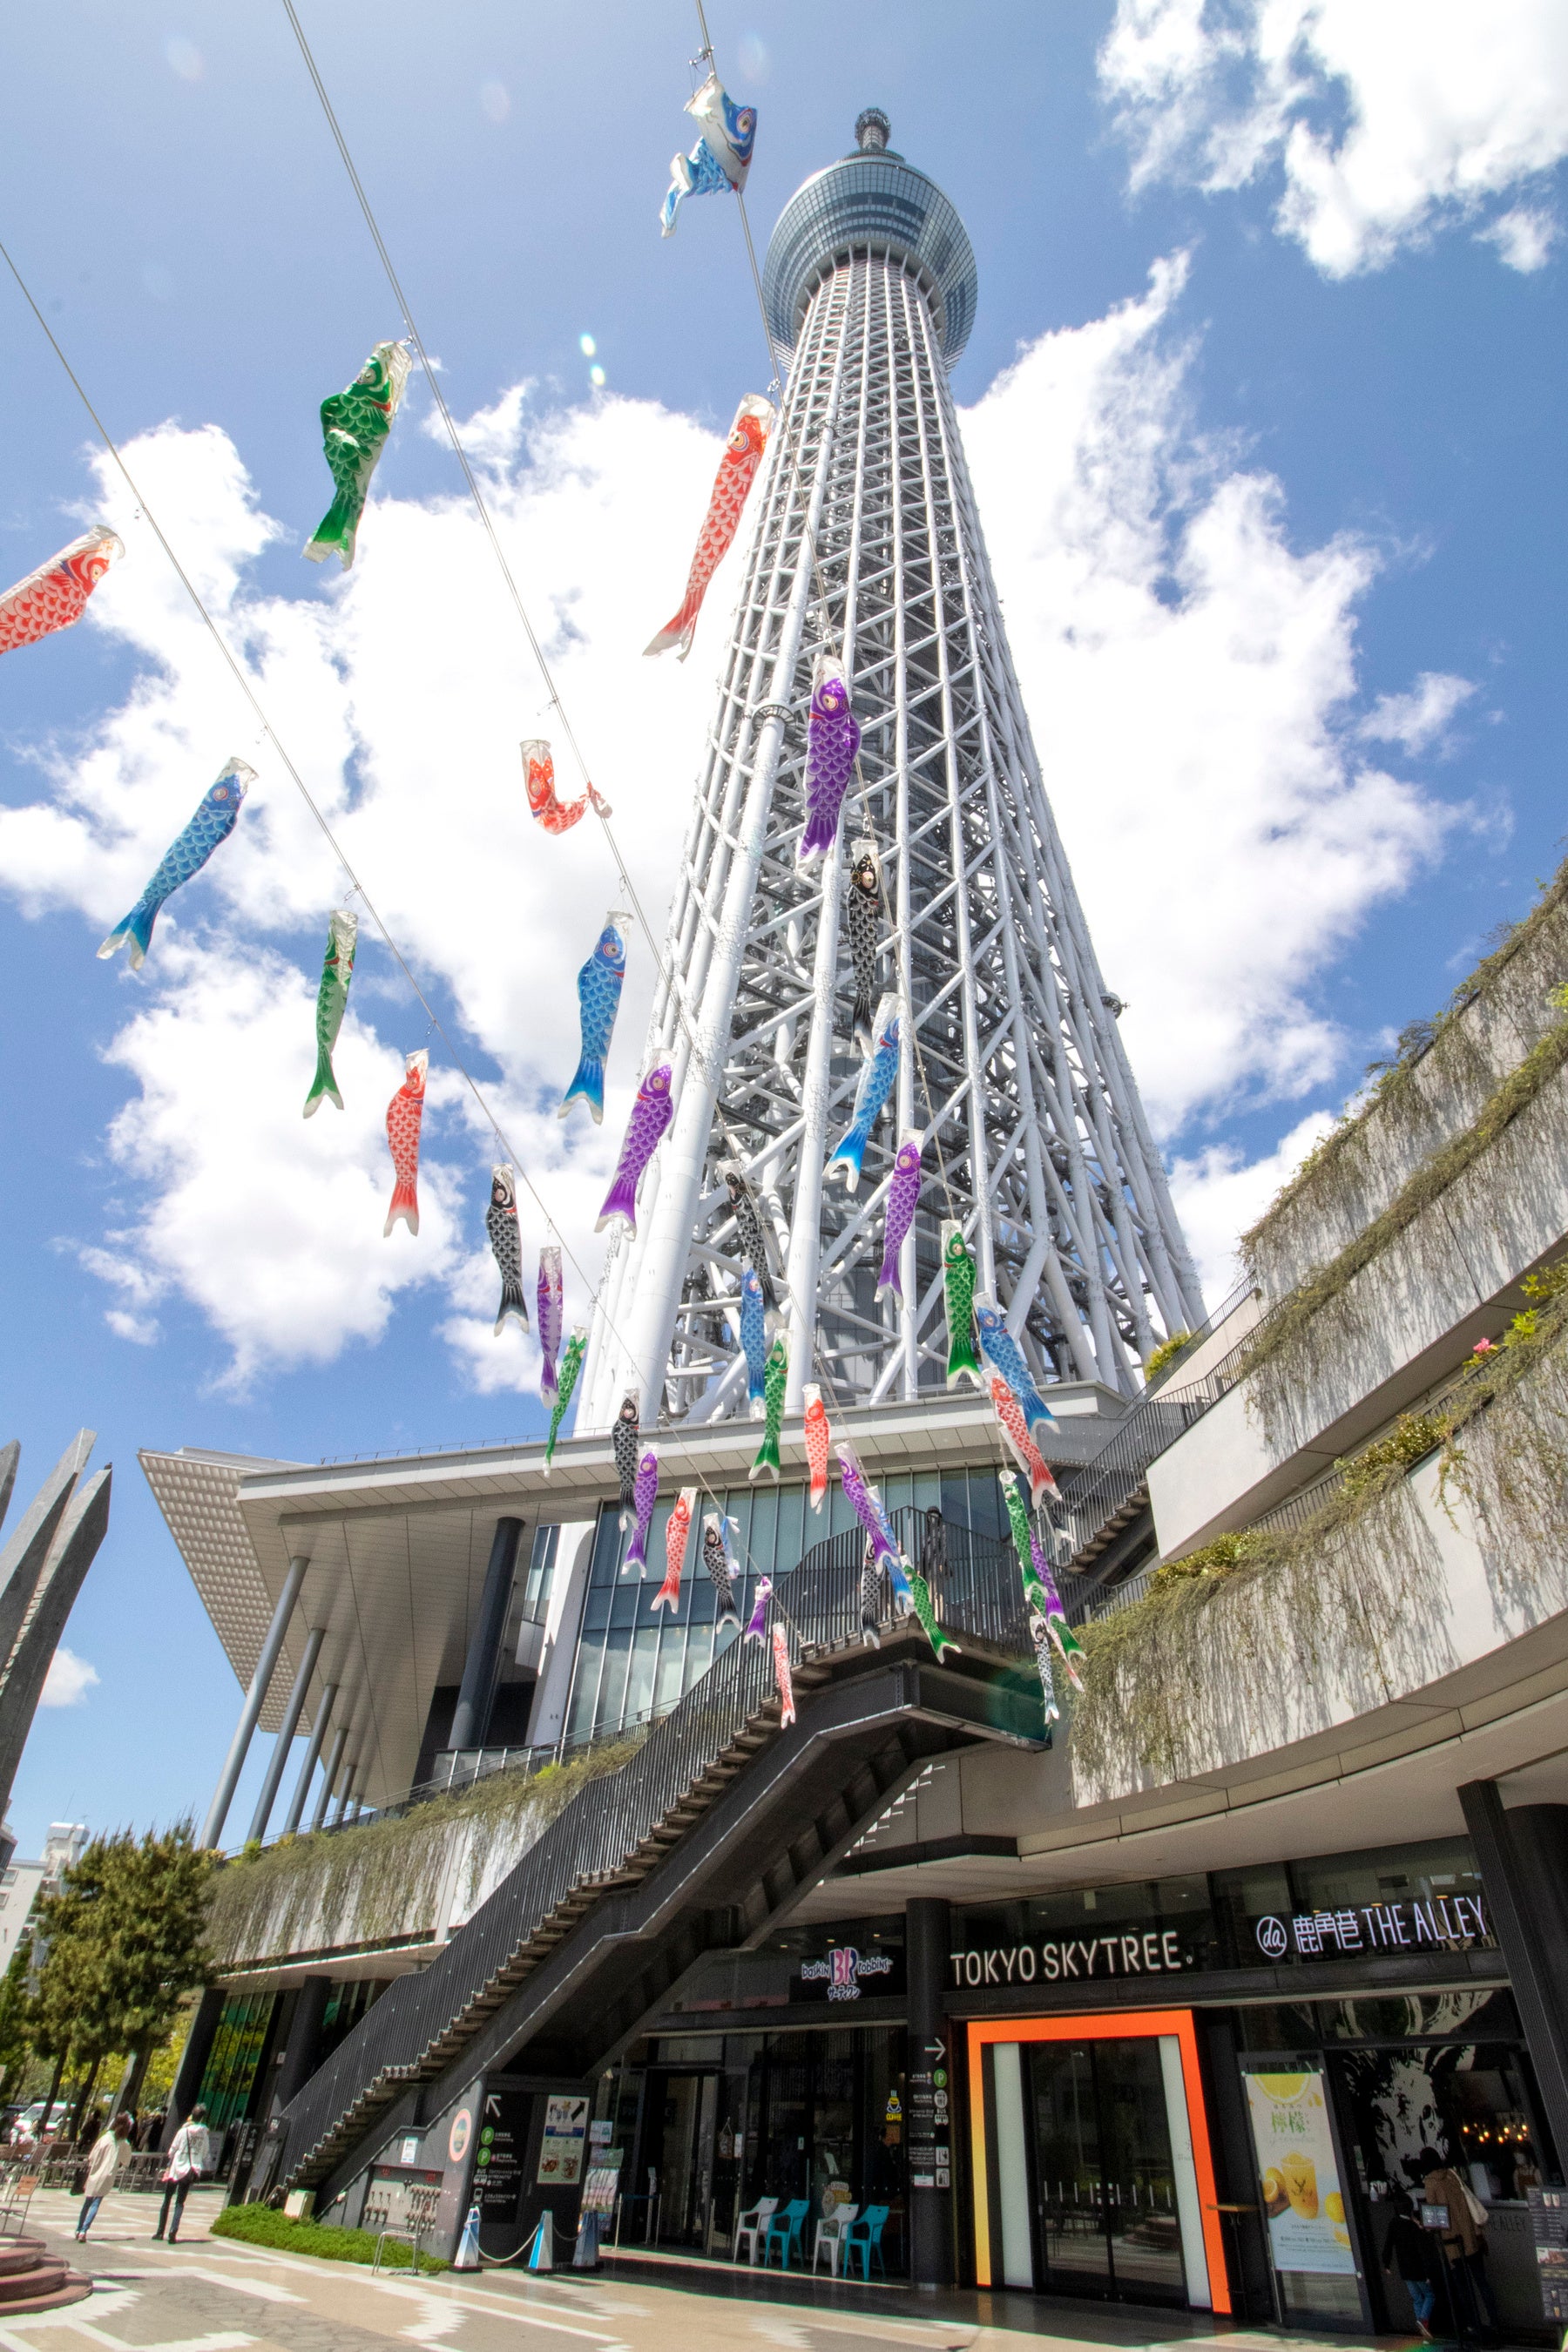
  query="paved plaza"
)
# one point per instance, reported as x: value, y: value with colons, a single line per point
x: 209, y: 2294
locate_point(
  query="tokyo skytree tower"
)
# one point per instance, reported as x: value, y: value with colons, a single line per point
x: 867, y: 551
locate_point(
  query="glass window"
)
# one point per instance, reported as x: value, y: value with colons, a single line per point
x: 540, y: 1574
x: 631, y: 1659
x: 1181, y: 1904
x: 236, y: 2053
x: 1442, y: 1868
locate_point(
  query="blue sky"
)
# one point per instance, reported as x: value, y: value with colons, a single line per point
x: 1264, y: 403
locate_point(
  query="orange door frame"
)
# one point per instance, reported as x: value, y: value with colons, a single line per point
x: 1137, y: 2024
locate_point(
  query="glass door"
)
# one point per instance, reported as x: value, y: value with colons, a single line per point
x: 1141, y: 2217
x: 683, y: 2154
x: 1105, y: 2190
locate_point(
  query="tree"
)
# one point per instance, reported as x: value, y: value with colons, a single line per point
x: 125, y: 1940
x: 16, y: 2012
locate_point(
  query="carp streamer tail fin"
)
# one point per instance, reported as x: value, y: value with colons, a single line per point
x: 587, y: 1086
x: 323, y: 1087
x: 335, y: 533
x: 511, y: 1302
x: 405, y: 1205
x: 137, y: 928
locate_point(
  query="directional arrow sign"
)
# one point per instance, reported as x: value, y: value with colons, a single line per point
x: 492, y: 2103
x: 936, y: 2049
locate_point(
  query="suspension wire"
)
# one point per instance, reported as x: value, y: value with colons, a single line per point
x: 674, y: 992
x: 863, y: 782
x: 242, y: 680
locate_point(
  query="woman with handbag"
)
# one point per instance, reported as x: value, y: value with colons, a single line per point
x: 190, y: 2154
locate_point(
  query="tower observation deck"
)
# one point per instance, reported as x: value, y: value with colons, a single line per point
x: 867, y: 548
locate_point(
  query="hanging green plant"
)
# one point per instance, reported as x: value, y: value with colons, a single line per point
x: 1260, y: 1636
x: 379, y: 1881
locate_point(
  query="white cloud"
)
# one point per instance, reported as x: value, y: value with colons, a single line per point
x: 270, y: 1224
x: 1187, y: 674
x: 1525, y: 237
x: 1190, y: 677
x: 1386, y: 121
x: 401, y: 693
x: 1219, y: 1194
x: 1420, y: 718
x: 68, y: 1680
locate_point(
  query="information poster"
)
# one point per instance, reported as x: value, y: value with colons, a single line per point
x: 561, y: 2150
x: 1298, y: 2180
x: 504, y: 2118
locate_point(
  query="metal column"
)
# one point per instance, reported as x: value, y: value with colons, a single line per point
x: 334, y: 1761
x: 255, y: 1700
x: 324, y: 1707
x: 285, y: 1740
x: 1523, y: 1861
x: 470, y: 1717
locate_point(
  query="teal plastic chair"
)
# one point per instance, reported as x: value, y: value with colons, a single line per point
x: 863, y: 2238
x: 785, y: 2228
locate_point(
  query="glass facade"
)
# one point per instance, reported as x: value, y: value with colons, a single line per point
x: 1338, y: 2090
x: 880, y: 202
x: 814, y: 2119
x: 633, y: 1664
x: 236, y: 2052
x: 1412, y: 1899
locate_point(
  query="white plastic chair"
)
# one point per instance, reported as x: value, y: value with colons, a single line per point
x: 752, y: 2225
x: 829, y: 2239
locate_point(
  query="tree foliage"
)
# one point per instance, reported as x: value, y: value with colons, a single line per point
x: 16, y: 2012
x: 123, y: 1941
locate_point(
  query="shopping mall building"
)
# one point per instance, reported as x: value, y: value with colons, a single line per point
x: 1161, y: 2002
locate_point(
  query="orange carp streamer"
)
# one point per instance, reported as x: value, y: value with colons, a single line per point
x: 737, y: 471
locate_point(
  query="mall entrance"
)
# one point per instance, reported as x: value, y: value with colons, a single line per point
x: 1103, y: 2179
x: 691, y: 2154
x: 811, y: 2118
x: 1095, y: 2178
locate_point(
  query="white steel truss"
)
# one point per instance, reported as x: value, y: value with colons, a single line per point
x: 867, y: 545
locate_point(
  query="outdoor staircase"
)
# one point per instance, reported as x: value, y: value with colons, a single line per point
x: 713, y: 1825
x: 32, y: 2279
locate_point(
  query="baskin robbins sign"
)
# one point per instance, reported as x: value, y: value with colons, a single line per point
x: 845, y: 1973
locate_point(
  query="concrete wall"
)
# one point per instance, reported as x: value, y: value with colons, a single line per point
x: 1439, y: 1600
x: 1405, y: 1321
x: 1439, y: 1099
x: 373, y: 1886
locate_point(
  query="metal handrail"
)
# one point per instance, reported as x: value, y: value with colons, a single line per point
x: 601, y: 1829
x: 1106, y: 1482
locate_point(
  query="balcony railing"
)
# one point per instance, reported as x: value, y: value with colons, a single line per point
x: 1107, y: 1491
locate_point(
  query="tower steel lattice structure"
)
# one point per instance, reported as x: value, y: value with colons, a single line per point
x: 867, y: 547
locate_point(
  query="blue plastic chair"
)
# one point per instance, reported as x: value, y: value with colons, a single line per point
x: 863, y: 2238
x: 785, y: 2228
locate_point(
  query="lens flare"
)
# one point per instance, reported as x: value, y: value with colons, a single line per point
x: 587, y: 346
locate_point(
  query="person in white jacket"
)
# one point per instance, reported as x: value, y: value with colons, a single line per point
x: 111, y: 2155
x: 190, y: 2155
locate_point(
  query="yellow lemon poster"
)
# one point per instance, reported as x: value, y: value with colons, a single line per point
x: 1298, y: 2180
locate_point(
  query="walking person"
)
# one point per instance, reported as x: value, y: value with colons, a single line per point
x: 111, y: 2155
x: 1475, y: 2306
x: 190, y: 2154
x: 1412, y: 2255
